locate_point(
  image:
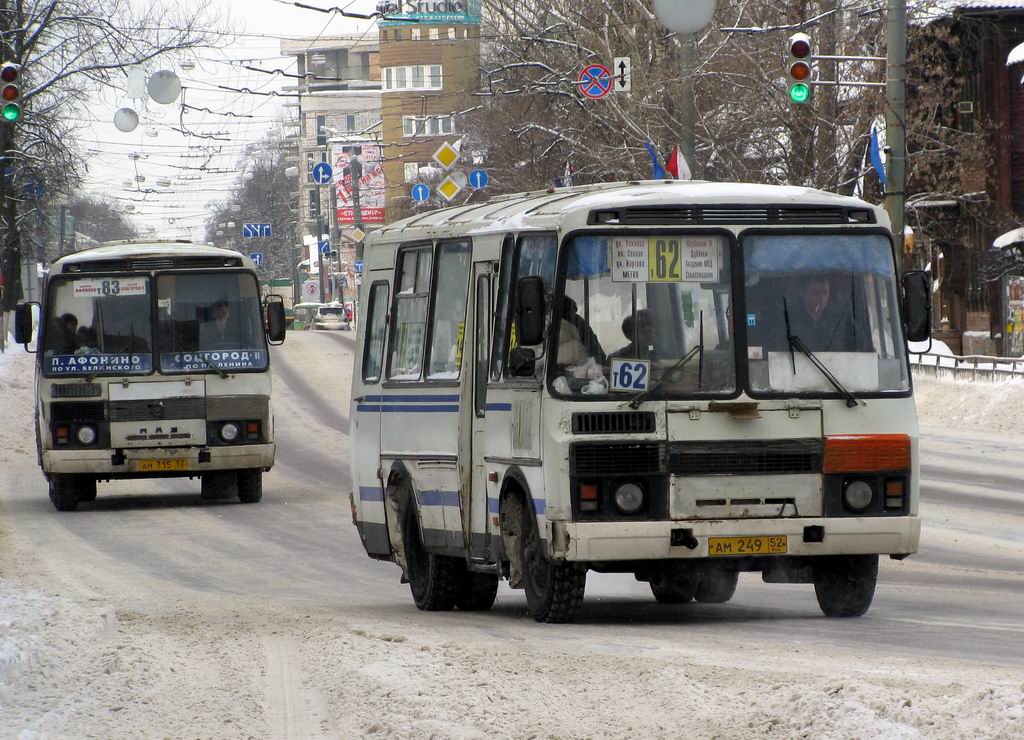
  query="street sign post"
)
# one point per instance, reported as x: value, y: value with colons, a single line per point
x: 257, y: 258
x: 255, y: 231
x: 322, y: 173
x: 595, y: 81
x: 310, y: 289
x: 623, y: 70
x: 420, y: 193
x: 478, y: 179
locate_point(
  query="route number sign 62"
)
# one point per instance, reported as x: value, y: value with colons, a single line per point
x: 630, y: 375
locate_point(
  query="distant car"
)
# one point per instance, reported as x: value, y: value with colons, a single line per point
x: 333, y: 316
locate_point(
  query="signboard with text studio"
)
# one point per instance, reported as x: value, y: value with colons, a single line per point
x: 458, y: 12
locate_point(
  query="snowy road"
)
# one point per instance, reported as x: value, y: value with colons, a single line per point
x: 161, y: 615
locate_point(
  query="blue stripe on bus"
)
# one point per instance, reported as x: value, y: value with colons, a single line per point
x: 411, y: 398
x: 391, y: 408
x: 371, y: 493
x: 539, y: 505
x: 438, y: 498
x: 499, y: 407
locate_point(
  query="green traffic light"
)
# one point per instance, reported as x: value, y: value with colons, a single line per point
x: 11, y: 112
x: 799, y: 93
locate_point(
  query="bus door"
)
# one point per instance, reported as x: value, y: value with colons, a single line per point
x: 365, y: 415
x: 476, y: 388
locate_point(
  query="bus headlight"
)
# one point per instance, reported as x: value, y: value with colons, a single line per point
x: 86, y: 435
x: 857, y: 495
x: 229, y: 432
x: 629, y: 498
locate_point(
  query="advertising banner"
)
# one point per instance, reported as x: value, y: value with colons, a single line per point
x: 371, y: 184
x: 461, y: 12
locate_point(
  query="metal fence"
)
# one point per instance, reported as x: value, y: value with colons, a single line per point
x: 968, y: 367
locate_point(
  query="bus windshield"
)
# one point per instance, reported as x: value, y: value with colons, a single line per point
x: 645, y: 310
x: 208, y: 322
x: 98, y: 325
x: 835, y: 294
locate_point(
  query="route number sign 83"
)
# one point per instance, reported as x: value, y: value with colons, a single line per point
x: 630, y: 375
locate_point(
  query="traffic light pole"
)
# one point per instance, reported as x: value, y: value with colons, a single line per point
x: 319, y: 254
x: 896, y: 116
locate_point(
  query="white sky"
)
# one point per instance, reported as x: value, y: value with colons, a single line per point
x: 181, y: 210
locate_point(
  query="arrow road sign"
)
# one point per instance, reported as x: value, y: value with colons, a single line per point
x: 252, y: 231
x: 478, y: 179
x: 623, y: 74
x: 357, y: 265
x: 595, y: 81
x: 321, y: 173
x: 324, y: 246
x: 257, y: 258
x: 420, y: 193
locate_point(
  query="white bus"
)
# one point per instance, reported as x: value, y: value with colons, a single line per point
x: 153, y: 362
x: 677, y: 380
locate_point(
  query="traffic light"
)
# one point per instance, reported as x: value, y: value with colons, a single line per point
x: 11, y: 92
x: 799, y: 47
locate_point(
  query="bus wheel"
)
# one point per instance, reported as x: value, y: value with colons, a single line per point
x: 250, y: 485
x: 433, y: 579
x: 219, y: 485
x: 675, y: 584
x: 845, y: 584
x: 554, y: 590
x: 717, y: 585
x: 64, y: 492
x: 87, y: 489
x: 477, y: 592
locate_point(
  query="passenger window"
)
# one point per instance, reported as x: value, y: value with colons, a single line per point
x: 449, y: 329
x: 482, y: 321
x: 373, y: 352
x: 409, y: 324
x: 501, y: 314
x: 535, y: 257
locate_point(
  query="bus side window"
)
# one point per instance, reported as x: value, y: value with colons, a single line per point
x: 535, y: 257
x: 373, y: 351
x: 451, y: 289
x: 410, y: 320
x: 501, y: 310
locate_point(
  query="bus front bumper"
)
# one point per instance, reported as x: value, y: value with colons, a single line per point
x: 155, y: 462
x: 600, y: 541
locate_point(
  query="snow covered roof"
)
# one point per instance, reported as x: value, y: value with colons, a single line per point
x: 146, y: 248
x: 1016, y: 236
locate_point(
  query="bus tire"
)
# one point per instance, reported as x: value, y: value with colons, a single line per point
x: 250, y: 485
x: 675, y: 585
x: 716, y: 585
x: 63, y: 492
x: 554, y: 590
x: 478, y: 592
x: 218, y: 485
x: 845, y: 584
x: 434, y: 580
x: 87, y: 489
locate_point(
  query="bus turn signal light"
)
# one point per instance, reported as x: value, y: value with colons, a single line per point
x: 866, y: 453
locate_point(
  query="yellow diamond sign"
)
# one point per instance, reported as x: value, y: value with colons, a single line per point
x: 449, y: 188
x: 446, y: 155
x: 358, y: 234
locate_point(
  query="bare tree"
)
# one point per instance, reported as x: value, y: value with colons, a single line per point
x: 68, y: 49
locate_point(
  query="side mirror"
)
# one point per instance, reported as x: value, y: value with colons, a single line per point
x: 522, y: 362
x: 530, y: 311
x: 23, y: 323
x: 917, y: 305
x: 275, y: 322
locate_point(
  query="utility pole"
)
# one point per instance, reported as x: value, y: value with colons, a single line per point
x: 895, y: 117
x: 356, y: 171
x: 295, y: 266
x: 319, y: 254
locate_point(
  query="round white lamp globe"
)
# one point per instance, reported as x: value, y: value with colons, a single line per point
x: 684, y: 16
x: 125, y: 119
x: 164, y: 86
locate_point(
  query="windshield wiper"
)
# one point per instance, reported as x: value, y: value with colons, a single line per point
x: 208, y: 363
x: 698, y: 351
x: 798, y: 343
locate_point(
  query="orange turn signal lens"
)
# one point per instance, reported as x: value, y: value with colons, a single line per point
x: 252, y: 427
x: 588, y: 492
x: 866, y: 453
x: 894, y: 488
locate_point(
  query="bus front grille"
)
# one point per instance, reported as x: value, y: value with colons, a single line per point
x: 754, y: 457
x: 613, y: 422
x: 158, y: 409
x: 588, y: 460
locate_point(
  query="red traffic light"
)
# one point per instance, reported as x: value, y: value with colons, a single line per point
x: 800, y: 71
x: 799, y: 47
x: 10, y: 92
x: 9, y: 72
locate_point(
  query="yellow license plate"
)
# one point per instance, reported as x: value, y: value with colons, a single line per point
x: 160, y: 466
x: 767, y: 545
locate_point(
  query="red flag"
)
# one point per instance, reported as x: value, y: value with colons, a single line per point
x: 677, y: 166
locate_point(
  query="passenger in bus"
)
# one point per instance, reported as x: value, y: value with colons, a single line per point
x: 640, y: 329
x: 584, y: 333
x: 63, y: 342
x: 86, y: 341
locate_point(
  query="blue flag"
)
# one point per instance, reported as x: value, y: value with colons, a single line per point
x: 657, y: 171
x: 876, y: 158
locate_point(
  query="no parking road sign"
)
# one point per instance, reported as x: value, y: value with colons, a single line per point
x: 595, y: 81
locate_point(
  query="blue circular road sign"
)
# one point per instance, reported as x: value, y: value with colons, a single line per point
x: 321, y: 173
x: 478, y: 179
x: 420, y: 193
x: 595, y: 81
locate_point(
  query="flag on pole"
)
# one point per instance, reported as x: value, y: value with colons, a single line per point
x: 657, y: 171
x: 677, y: 166
x: 875, y: 154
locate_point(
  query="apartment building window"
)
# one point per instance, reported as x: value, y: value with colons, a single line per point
x: 412, y: 171
x: 465, y: 33
x: 429, y: 126
x: 415, y: 34
x: 451, y: 34
x: 321, y: 130
x: 435, y: 76
x: 434, y: 36
x: 350, y: 123
x: 416, y: 77
x: 401, y: 77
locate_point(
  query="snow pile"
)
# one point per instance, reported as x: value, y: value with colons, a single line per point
x: 996, y: 407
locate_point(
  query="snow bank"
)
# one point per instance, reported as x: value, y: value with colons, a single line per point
x: 988, y: 406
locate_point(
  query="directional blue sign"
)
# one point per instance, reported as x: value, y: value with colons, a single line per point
x: 478, y: 179
x: 325, y: 246
x: 321, y: 173
x: 358, y: 265
x: 420, y: 193
x: 257, y: 258
x: 252, y: 231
